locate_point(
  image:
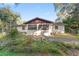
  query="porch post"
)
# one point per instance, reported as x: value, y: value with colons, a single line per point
x: 37, y: 26
x: 50, y: 28
x: 27, y: 27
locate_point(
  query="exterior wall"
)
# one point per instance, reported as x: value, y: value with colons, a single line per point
x: 60, y: 29
x: 51, y: 29
x: 19, y: 28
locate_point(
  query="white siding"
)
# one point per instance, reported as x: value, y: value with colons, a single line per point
x: 60, y: 29
x: 21, y: 30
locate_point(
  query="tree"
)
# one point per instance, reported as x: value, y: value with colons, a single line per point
x: 64, y: 10
x: 8, y: 23
x: 74, y: 20
x: 8, y: 18
x: 70, y: 12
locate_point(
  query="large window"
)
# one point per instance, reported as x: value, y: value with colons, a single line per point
x: 23, y: 27
x: 32, y: 27
x: 43, y: 27
x: 56, y: 27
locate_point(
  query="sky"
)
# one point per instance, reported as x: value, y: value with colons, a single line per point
x: 29, y: 11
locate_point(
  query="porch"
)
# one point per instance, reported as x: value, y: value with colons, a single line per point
x: 38, y: 29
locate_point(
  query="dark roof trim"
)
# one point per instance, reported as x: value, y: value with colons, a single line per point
x: 38, y: 19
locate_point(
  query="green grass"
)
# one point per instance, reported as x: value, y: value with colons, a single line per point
x: 77, y: 36
x: 63, y: 35
x: 25, y: 45
x: 66, y: 35
x: 40, y: 48
x: 44, y: 48
x: 7, y: 54
x: 54, y: 48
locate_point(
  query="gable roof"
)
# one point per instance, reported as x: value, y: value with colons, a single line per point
x: 37, y: 18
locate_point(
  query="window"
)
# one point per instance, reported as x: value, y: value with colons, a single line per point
x: 23, y: 27
x: 56, y: 27
x: 32, y: 27
x: 43, y: 27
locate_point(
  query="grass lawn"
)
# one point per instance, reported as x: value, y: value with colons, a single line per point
x: 66, y: 35
x: 25, y: 46
x: 2, y: 53
x: 77, y: 36
x: 42, y: 48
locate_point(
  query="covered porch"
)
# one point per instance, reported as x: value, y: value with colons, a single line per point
x: 39, y: 29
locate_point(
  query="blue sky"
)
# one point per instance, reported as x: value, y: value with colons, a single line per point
x: 28, y: 11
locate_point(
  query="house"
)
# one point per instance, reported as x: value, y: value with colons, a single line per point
x: 39, y: 26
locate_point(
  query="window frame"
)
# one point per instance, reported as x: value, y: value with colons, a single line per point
x: 56, y: 27
x: 29, y: 28
x: 23, y: 27
x: 43, y: 25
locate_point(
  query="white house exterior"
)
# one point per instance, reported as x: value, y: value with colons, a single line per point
x: 38, y: 26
